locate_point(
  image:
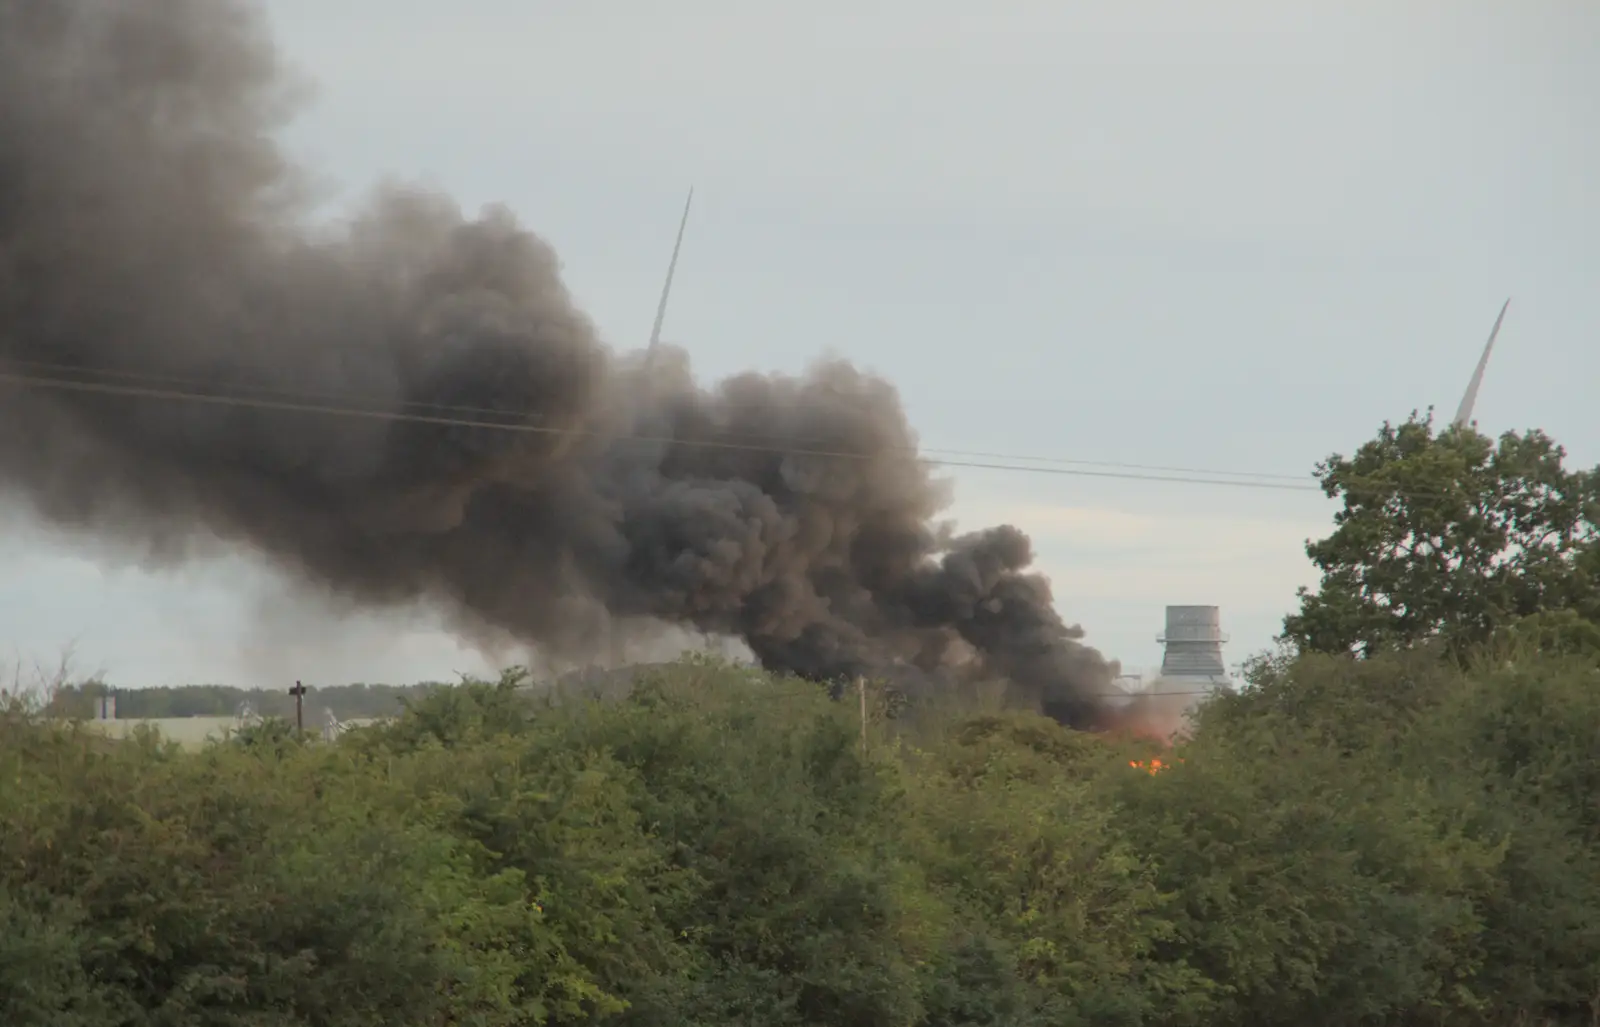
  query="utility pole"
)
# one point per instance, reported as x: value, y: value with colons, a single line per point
x: 299, y: 693
x: 861, y: 693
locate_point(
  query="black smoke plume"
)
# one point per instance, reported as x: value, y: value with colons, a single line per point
x: 185, y: 355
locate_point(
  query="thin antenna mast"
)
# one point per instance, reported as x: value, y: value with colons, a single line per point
x: 666, y: 288
x: 1464, y: 411
x: 619, y: 652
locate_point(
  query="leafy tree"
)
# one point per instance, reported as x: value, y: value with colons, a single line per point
x: 1055, y: 914
x: 1391, y: 841
x: 42, y: 975
x: 1452, y: 538
x: 1496, y: 788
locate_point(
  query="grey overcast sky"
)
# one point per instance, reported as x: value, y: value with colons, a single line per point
x: 1232, y: 236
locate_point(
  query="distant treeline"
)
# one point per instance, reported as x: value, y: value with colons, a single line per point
x: 353, y: 701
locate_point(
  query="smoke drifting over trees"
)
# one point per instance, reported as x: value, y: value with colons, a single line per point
x: 152, y: 250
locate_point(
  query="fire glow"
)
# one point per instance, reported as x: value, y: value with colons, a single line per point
x: 1150, y: 766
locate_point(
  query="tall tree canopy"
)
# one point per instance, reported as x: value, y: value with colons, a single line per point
x: 1455, y: 537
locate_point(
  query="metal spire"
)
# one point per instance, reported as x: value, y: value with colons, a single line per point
x: 1464, y: 411
x: 618, y: 643
x: 666, y: 288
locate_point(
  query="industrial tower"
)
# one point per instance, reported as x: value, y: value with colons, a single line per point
x: 1193, y: 651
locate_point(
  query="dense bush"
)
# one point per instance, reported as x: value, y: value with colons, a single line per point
x: 1389, y: 841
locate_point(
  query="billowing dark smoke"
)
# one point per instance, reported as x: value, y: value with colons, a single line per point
x: 153, y: 249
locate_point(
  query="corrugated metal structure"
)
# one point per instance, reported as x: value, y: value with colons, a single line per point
x: 1193, y: 648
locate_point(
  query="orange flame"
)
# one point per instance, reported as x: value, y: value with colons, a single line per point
x: 1151, y: 766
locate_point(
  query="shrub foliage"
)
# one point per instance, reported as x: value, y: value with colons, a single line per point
x: 1384, y: 841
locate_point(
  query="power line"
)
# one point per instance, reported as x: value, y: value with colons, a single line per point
x: 476, y: 412
x: 1113, y: 470
x: 317, y: 408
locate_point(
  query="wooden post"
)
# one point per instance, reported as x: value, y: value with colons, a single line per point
x: 861, y: 693
x: 299, y: 693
